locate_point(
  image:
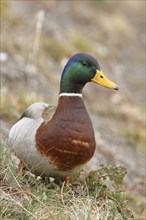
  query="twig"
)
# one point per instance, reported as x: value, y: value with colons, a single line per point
x: 39, y: 25
x: 14, y: 177
x: 62, y: 188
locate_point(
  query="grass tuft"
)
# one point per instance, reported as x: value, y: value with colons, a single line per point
x: 99, y: 195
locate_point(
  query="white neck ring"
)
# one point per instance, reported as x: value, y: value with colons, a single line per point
x: 70, y: 94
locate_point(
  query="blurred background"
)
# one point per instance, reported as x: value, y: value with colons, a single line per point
x: 38, y: 37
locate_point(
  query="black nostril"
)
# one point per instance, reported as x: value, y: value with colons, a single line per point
x: 101, y: 76
x: 116, y: 88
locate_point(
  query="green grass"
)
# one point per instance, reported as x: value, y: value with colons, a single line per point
x: 99, y: 195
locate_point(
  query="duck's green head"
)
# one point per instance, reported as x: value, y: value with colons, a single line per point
x: 79, y: 70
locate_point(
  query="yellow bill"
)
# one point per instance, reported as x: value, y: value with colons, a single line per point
x: 102, y: 80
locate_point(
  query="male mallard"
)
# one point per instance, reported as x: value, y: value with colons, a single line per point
x: 58, y: 141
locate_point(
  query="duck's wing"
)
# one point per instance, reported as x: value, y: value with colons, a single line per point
x: 39, y: 110
x: 22, y: 134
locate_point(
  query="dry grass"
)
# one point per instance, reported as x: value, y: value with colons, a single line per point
x: 31, y: 198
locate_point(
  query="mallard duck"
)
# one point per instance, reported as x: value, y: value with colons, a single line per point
x: 58, y: 141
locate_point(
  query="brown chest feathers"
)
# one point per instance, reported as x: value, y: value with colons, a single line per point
x: 68, y: 138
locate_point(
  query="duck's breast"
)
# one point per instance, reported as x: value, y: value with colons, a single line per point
x: 68, y: 139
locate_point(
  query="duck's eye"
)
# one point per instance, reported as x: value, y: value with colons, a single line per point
x: 85, y: 63
x: 101, y: 76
